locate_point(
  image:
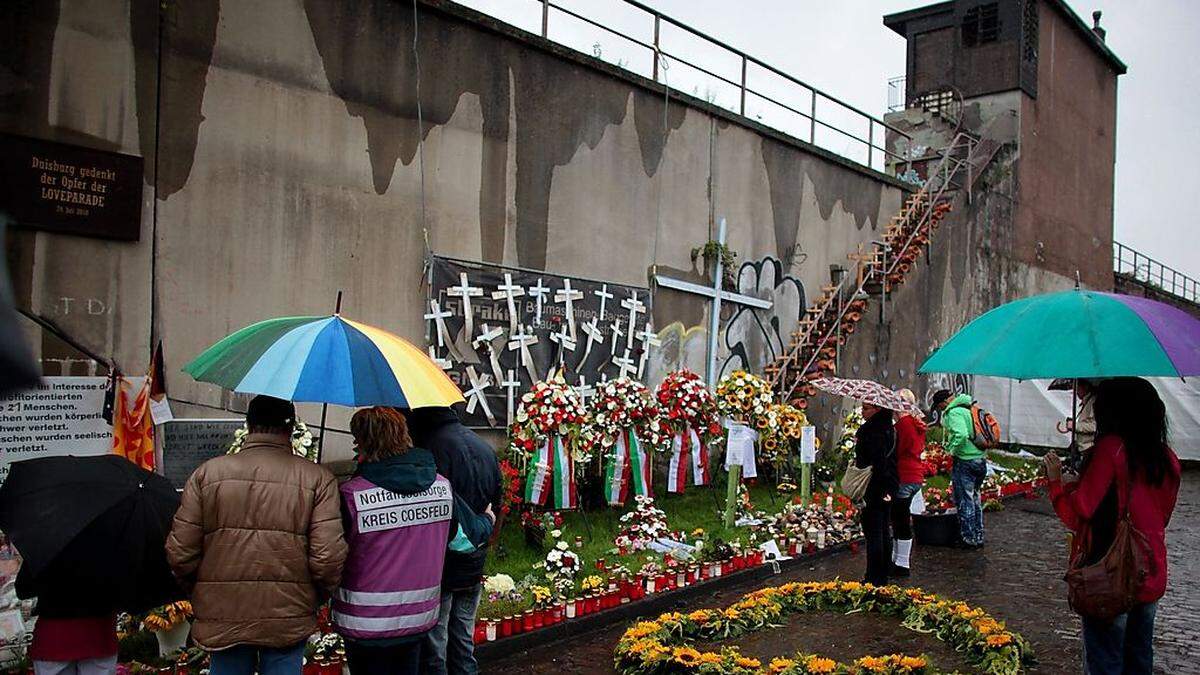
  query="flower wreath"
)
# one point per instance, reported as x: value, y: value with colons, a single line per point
x: 780, y: 434
x: 303, y: 444
x: 691, y: 417
x: 741, y: 395
x: 545, y: 441
x: 623, y: 427
x: 664, y: 645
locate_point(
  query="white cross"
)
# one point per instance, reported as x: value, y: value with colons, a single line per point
x: 444, y: 364
x: 593, y: 335
x: 509, y: 291
x: 584, y: 390
x: 565, y: 343
x: 716, y: 294
x: 477, y: 394
x: 649, y: 339
x: 538, y: 292
x: 438, y: 317
x: 569, y: 295
x: 487, y: 337
x: 616, y: 334
x: 624, y: 364
x: 604, y: 296
x: 510, y: 383
x: 521, y: 340
x: 466, y: 291
x: 635, y: 307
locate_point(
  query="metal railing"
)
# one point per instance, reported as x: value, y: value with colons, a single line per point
x: 956, y: 158
x: 896, y: 93
x: 824, y: 120
x: 1143, y: 268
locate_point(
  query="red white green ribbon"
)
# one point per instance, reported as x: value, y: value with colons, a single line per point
x: 537, y: 478
x: 686, y: 449
x: 616, y: 474
x: 563, y: 473
x: 639, y: 465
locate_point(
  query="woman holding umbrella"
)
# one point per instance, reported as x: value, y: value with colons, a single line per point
x: 1130, y: 467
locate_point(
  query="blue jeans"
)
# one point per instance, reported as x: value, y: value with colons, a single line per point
x: 246, y: 660
x: 967, y: 477
x: 1126, y: 645
x: 450, y: 646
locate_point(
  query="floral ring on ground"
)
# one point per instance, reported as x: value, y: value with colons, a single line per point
x: 664, y: 646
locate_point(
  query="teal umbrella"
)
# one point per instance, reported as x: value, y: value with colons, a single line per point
x: 1074, y: 334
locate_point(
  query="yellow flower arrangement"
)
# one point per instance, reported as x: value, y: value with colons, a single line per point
x: 648, y: 646
x: 592, y: 582
x: 746, y: 397
x: 168, y: 616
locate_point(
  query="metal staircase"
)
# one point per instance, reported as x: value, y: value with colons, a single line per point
x: 816, y: 344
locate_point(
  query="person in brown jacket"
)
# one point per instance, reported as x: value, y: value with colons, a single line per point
x: 258, y: 543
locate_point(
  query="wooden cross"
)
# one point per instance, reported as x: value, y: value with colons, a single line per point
x: 624, y: 365
x: 604, y: 296
x: 509, y: 291
x: 477, y: 394
x: 521, y: 340
x: 584, y: 390
x: 616, y: 334
x: 538, y: 292
x: 649, y: 339
x: 635, y: 307
x: 487, y: 337
x: 716, y: 294
x: 466, y: 291
x: 569, y: 295
x: 510, y: 384
x: 565, y: 343
x: 594, y: 335
x: 439, y: 319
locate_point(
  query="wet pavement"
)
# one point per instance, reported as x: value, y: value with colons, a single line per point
x: 1017, y: 578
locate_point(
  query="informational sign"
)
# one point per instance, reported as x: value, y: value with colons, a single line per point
x: 62, y: 416
x: 739, y: 448
x: 188, y: 443
x: 496, y: 330
x: 70, y: 189
x: 808, y: 444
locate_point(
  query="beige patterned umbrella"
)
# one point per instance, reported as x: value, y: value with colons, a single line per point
x: 867, y: 391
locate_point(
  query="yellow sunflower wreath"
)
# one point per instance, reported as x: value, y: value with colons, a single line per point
x: 664, y: 646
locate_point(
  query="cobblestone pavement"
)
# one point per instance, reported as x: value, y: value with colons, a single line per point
x: 1017, y: 578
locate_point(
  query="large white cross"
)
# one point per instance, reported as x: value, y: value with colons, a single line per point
x: 568, y: 296
x: 521, y: 340
x: 466, y: 291
x: 717, y: 294
x: 487, y: 337
x: 538, y: 292
x: 477, y: 394
x: 604, y: 296
x: 439, y: 319
x: 635, y: 307
x: 510, y: 384
x: 509, y: 291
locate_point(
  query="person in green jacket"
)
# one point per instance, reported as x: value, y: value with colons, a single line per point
x: 970, y: 464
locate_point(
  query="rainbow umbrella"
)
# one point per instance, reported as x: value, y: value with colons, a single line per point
x: 325, y: 359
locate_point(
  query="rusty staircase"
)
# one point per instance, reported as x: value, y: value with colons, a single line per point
x: 877, y: 270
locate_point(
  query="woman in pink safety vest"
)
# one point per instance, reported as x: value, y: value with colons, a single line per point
x: 400, y: 517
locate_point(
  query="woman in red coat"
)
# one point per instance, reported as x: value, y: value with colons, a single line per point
x: 1130, y: 460
x: 910, y: 443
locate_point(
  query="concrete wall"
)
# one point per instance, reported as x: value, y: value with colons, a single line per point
x: 284, y: 154
x: 1068, y: 150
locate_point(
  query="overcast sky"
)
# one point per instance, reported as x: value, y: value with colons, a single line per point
x: 843, y: 48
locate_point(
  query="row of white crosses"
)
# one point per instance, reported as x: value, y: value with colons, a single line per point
x: 520, y: 340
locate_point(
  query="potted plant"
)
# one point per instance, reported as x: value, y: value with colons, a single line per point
x: 171, y: 624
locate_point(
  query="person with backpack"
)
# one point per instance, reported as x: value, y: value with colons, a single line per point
x: 1118, y: 511
x: 970, y: 463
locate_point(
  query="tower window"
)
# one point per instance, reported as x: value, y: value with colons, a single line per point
x: 981, y: 25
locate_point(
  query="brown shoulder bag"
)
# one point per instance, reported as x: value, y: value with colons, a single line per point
x: 1109, y: 587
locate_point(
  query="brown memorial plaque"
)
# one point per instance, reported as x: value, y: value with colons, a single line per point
x: 57, y: 187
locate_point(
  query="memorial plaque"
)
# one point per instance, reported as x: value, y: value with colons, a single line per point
x: 186, y: 444
x: 70, y: 189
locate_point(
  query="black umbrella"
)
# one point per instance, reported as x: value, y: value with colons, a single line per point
x: 90, y: 530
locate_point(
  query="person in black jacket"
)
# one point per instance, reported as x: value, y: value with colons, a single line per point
x: 473, y: 470
x: 875, y: 447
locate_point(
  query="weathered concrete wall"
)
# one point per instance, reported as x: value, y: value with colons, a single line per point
x: 1126, y: 284
x: 284, y: 154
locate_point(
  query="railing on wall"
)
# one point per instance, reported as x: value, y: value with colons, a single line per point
x: 731, y: 78
x: 1143, y: 268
